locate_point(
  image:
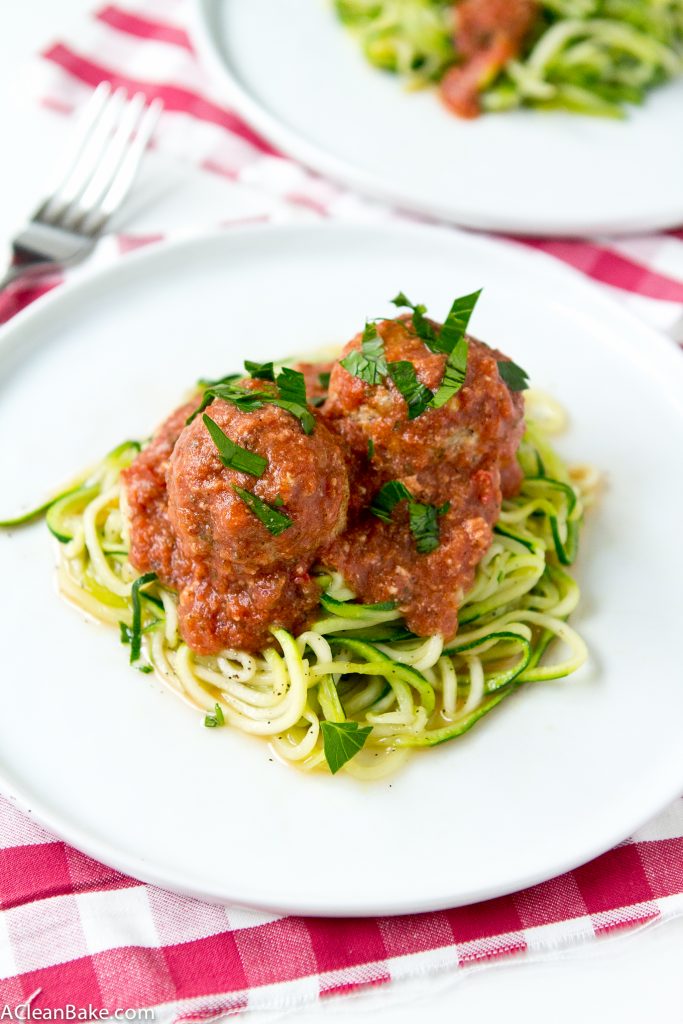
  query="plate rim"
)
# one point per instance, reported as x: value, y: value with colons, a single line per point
x: 318, y: 159
x: 645, y: 337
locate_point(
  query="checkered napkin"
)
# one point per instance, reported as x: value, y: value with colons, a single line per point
x: 73, y: 931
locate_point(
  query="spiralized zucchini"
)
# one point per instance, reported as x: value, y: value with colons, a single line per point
x: 358, y: 663
x: 585, y: 56
x: 409, y: 37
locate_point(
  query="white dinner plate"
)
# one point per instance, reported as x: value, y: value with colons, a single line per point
x: 299, y: 77
x: 117, y: 765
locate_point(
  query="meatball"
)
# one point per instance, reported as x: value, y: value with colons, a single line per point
x: 306, y: 474
x: 459, y: 454
x: 144, y: 483
x: 234, y: 578
x: 479, y: 427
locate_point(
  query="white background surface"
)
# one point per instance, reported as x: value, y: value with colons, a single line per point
x: 633, y: 978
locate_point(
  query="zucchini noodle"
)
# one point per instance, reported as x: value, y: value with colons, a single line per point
x: 583, y: 56
x: 357, y: 663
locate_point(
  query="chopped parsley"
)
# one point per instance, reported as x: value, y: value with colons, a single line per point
x: 457, y: 321
x: 514, y: 376
x: 424, y: 525
x: 229, y: 377
x: 261, y: 371
x: 450, y: 341
x: 133, y: 634
x: 417, y: 396
x: 291, y: 397
x: 369, y: 364
x: 291, y: 385
x: 232, y: 455
x: 454, y: 341
x: 453, y: 375
x: 342, y: 741
x: 423, y: 328
x: 371, y: 448
x: 423, y: 519
x: 324, y: 380
x: 216, y: 719
x: 387, y: 498
x: 275, y: 522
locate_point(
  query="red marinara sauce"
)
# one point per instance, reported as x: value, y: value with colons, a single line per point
x: 488, y: 34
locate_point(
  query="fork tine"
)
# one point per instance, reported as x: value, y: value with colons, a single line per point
x: 72, y: 157
x: 108, y: 167
x: 90, y: 157
x: 127, y: 171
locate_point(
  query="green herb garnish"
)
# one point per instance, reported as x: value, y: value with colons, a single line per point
x: 369, y: 364
x: 371, y: 448
x: 291, y: 385
x: 387, y: 498
x: 261, y: 371
x: 133, y: 634
x: 274, y: 521
x: 454, y: 341
x: 423, y: 518
x: 423, y: 328
x: 324, y: 380
x: 232, y: 455
x: 216, y: 719
x: 246, y: 400
x: 424, y: 525
x: 514, y: 376
x: 417, y: 396
x: 342, y: 741
x: 229, y: 377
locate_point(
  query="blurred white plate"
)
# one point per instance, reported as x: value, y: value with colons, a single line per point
x: 299, y: 77
x: 122, y: 769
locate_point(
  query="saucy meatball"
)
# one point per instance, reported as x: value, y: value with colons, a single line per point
x: 481, y: 424
x: 235, y: 579
x: 462, y: 454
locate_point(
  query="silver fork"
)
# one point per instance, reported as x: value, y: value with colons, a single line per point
x: 91, y: 186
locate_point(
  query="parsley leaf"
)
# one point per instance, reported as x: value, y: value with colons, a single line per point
x: 423, y: 328
x: 291, y: 385
x: 342, y: 741
x: 514, y: 376
x: 369, y: 364
x: 274, y: 521
x: 423, y: 519
x: 452, y: 340
x: 204, y: 383
x: 242, y: 398
x: 218, y: 718
x: 232, y: 455
x: 457, y: 321
x: 324, y: 380
x: 246, y: 400
x: 387, y: 498
x: 262, y: 371
x: 417, y: 396
x: 454, y: 374
x: 424, y: 525
x: 371, y: 448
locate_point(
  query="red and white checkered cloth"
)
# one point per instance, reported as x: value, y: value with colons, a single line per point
x: 83, y: 934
